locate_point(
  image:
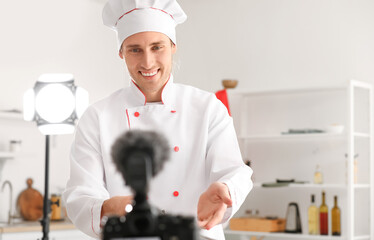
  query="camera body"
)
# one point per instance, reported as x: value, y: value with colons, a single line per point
x: 150, y: 226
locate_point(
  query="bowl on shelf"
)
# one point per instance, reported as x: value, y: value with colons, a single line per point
x: 229, y: 83
x: 335, y: 128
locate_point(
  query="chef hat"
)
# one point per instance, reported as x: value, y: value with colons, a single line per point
x: 128, y: 17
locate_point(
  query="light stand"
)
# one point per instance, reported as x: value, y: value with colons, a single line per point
x: 54, y: 104
x: 46, y: 203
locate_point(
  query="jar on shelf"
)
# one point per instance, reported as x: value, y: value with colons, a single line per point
x: 15, y: 145
x: 355, y: 168
x: 56, y: 207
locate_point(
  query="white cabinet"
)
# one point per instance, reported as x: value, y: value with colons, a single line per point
x: 71, y: 235
x: 260, y: 118
x: 53, y: 235
x: 19, y: 236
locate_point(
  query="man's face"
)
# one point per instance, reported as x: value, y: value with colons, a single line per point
x: 148, y: 57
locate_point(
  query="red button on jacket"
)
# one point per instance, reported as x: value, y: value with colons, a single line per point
x: 136, y: 114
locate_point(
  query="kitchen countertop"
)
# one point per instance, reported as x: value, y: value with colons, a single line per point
x: 35, y: 226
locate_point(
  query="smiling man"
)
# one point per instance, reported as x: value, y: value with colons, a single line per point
x: 205, y: 176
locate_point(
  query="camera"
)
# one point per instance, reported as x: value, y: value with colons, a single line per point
x: 139, y: 156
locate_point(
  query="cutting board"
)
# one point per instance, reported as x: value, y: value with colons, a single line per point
x: 30, y: 203
x: 258, y: 224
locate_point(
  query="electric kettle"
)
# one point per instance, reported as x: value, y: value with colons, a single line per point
x: 293, y: 221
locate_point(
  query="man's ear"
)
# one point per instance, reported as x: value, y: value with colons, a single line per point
x: 173, y: 48
x: 120, y: 53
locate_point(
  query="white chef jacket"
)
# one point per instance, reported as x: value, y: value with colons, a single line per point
x: 204, y: 150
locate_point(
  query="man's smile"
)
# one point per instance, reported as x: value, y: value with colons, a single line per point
x: 149, y: 74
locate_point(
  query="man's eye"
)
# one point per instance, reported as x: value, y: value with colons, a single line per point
x: 135, y: 50
x: 156, y: 48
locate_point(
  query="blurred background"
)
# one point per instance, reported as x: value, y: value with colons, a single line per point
x: 264, y: 44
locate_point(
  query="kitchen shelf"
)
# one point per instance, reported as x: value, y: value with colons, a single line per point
x: 284, y: 235
x: 11, y: 115
x: 362, y: 237
x: 361, y: 186
x: 292, y: 136
x: 261, y: 117
x: 340, y: 88
x: 287, y: 91
x: 306, y: 136
x: 363, y: 135
x: 6, y: 155
x: 316, y: 186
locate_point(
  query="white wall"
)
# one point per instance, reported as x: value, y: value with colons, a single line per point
x: 265, y: 44
x: 277, y: 44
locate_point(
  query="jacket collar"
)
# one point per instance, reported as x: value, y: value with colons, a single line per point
x: 139, y: 99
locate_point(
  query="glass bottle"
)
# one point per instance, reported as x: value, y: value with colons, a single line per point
x: 323, y: 217
x: 335, y: 218
x: 318, y: 178
x: 313, y: 218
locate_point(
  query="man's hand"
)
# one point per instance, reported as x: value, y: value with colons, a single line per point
x: 212, y: 205
x: 115, y: 206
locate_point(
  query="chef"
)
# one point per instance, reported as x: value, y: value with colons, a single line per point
x: 205, y: 176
